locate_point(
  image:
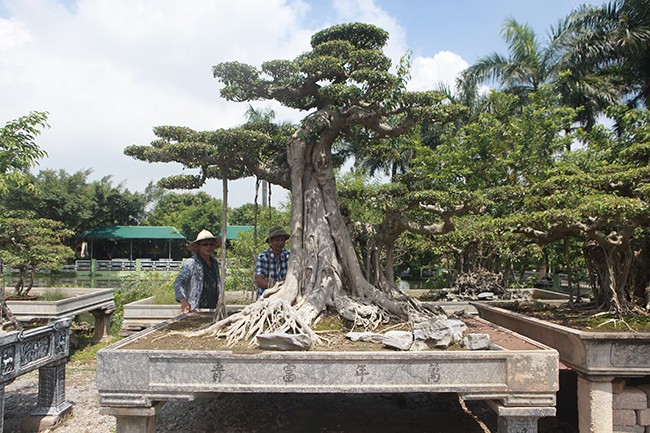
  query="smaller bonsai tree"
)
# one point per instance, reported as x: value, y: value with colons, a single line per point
x: 28, y: 243
x: 18, y: 153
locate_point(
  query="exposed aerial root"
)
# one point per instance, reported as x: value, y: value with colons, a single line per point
x: 263, y: 316
x: 369, y: 317
x: 365, y: 315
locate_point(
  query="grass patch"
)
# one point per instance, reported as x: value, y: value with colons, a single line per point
x: 88, y: 352
x: 163, y: 294
x: 143, y: 286
x: 52, y: 295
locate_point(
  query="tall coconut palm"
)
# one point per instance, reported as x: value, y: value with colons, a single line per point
x: 615, y: 40
x: 528, y: 65
x: 532, y: 63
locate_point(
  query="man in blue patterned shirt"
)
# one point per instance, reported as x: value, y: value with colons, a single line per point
x: 272, y: 264
x: 197, y: 283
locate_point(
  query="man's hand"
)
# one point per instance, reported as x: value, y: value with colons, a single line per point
x: 185, y: 306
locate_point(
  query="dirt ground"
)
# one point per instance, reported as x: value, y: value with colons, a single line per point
x: 172, y: 338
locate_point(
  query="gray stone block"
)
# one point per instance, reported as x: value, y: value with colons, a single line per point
x: 628, y: 429
x: 284, y: 341
x: 401, y: 340
x: 371, y: 337
x: 643, y: 417
x: 630, y: 398
x: 477, y: 341
x: 624, y: 417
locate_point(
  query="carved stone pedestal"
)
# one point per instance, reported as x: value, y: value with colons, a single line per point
x: 520, y: 419
x: 102, y: 317
x: 45, y: 348
x: 521, y: 382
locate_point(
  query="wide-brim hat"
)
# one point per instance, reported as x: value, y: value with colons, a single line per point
x: 202, y: 236
x: 275, y: 232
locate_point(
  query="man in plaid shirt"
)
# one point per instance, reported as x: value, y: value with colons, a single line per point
x: 271, y: 266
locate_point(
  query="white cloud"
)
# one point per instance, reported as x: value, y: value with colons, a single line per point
x: 111, y: 70
x: 108, y: 71
x: 444, y: 67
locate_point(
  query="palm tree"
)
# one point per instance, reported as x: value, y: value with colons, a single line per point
x: 531, y: 64
x: 614, y: 39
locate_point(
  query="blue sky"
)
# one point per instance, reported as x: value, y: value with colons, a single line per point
x: 108, y: 71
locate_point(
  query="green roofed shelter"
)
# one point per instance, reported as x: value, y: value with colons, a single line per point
x: 232, y: 232
x: 168, y: 233
x: 132, y: 232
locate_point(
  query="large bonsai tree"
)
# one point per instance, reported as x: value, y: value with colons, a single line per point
x: 345, y: 85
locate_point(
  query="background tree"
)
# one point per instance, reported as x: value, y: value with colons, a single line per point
x: 531, y: 64
x: 75, y: 201
x: 599, y: 195
x: 244, y: 215
x: 28, y: 243
x: 18, y: 153
x: 488, y: 166
x: 18, y: 150
x: 188, y: 212
x: 614, y: 39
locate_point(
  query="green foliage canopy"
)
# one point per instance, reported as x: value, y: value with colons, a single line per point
x: 18, y: 149
x: 28, y: 243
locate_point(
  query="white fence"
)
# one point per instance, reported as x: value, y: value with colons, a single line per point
x: 124, y: 265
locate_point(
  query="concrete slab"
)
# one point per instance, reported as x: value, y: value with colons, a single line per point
x: 78, y: 300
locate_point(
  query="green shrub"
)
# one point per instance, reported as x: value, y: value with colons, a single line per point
x: 239, y: 280
x: 142, y: 286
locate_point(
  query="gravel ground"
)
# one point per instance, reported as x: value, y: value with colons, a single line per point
x: 275, y: 413
x: 257, y: 413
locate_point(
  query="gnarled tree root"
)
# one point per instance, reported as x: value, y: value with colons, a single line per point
x: 263, y: 316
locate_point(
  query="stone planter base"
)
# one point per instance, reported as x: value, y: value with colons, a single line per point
x: 601, y: 360
x: 132, y: 383
x: 99, y: 302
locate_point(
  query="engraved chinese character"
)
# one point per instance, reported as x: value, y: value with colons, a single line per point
x: 289, y: 373
x: 8, y: 355
x: 217, y: 372
x: 361, y: 372
x: 434, y: 372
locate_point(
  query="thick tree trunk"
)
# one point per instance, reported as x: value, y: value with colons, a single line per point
x: 324, y: 271
x: 612, y: 265
x: 324, y: 266
x: 20, y: 285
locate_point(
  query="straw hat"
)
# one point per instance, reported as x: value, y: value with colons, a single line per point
x: 202, y: 236
x: 275, y: 232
